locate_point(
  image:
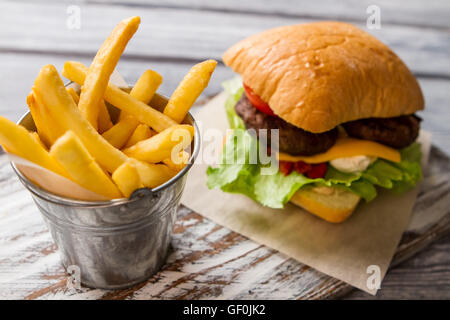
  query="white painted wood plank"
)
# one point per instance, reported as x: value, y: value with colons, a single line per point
x: 186, y: 34
x: 432, y: 13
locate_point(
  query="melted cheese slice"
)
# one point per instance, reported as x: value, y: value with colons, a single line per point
x: 347, y: 147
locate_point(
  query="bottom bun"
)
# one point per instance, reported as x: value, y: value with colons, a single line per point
x: 334, y: 205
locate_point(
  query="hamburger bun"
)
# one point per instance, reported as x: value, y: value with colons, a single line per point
x: 319, y: 75
x: 335, y: 207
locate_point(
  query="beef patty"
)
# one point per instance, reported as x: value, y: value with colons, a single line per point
x: 398, y: 132
x: 292, y: 139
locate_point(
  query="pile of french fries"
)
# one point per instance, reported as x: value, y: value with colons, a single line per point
x: 77, y: 139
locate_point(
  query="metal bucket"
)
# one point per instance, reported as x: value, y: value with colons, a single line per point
x: 118, y: 243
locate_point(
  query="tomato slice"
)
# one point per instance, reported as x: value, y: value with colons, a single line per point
x: 285, y: 167
x: 302, y: 167
x: 312, y: 171
x: 317, y: 171
x: 257, y: 102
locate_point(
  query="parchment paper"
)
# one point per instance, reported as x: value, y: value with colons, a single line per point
x: 53, y: 182
x: 344, y: 251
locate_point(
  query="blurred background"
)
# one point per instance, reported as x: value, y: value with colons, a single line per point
x: 176, y: 34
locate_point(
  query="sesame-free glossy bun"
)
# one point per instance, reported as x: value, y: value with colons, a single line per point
x: 319, y: 75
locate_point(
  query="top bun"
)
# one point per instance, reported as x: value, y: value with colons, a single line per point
x: 319, y: 75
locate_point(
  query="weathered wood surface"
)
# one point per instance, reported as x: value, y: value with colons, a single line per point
x: 185, y: 35
x: 433, y: 266
x: 415, y: 13
x: 174, y: 35
x: 207, y: 260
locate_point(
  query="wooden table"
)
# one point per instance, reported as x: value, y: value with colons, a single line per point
x: 174, y: 35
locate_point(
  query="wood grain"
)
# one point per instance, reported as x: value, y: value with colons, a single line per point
x: 170, y: 34
x: 424, y: 276
x: 207, y: 261
x: 392, y: 12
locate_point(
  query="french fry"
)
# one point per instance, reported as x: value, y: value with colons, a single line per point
x: 145, y: 88
x: 179, y: 162
x: 142, y: 132
x: 76, y: 71
x: 160, y: 146
x: 104, y: 119
x: 127, y: 179
x: 74, y: 95
x: 70, y: 152
x: 189, y: 89
x: 52, y: 127
x: 77, y: 129
x: 153, y: 175
x: 50, y: 88
x: 37, y: 138
x: 39, y: 120
x: 67, y: 115
x: 119, y: 134
x: 102, y: 66
x: 17, y: 140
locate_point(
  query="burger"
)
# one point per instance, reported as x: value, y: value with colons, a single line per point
x: 344, y: 106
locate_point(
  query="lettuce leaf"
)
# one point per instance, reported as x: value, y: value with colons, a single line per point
x: 234, y: 91
x: 236, y: 174
x: 240, y: 175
